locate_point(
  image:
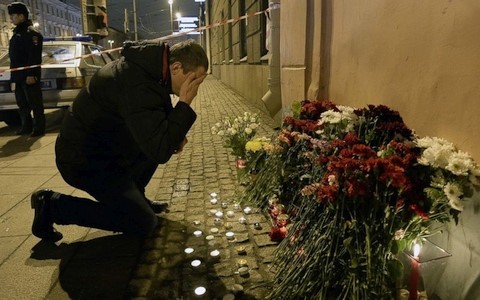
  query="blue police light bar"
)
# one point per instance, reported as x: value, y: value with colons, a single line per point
x: 69, y: 38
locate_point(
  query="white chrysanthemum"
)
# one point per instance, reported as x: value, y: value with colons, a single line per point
x: 331, y: 117
x: 474, y: 176
x: 437, y: 156
x: 460, y: 163
x: 453, y: 193
x: 438, y: 180
x: 248, y: 130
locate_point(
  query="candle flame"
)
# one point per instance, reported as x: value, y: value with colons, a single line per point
x: 416, y: 250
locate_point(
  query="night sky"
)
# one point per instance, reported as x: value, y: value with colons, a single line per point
x: 153, y: 16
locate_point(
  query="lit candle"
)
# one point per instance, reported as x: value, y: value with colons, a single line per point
x: 215, y: 253
x: 241, y: 250
x: 189, y: 250
x: 236, y: 206
x: 242, y: 262
x: 213, y: 201
x: 242, y: 271
x: 228, y: 226
x: 195, y: 263
x: 196, y: 222
x: 213, y: 195
x: 230, y: 235
x: 242, y: 220
x: 197, y: 233
x: 247, y: 210
x: 219, y: 214
x: 200, y: 290
x: 257, y: 226
x: 414, y: 274
x: 224, y: 205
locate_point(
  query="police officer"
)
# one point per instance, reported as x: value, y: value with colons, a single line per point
x: 25, y: 49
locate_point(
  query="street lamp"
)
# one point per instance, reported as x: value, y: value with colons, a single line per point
x: 178, y: 15
x: 111, y: 43
x: 171, y: 14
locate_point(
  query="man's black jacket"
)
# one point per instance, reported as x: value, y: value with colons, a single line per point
x: 25, y: 49
x: 125, y: 112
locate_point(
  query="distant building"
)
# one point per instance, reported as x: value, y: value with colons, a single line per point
x: 54, y: 18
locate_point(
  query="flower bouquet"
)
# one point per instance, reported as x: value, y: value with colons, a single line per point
x: 359, y: 187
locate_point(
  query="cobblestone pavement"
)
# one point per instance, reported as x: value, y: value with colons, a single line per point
x: 165, y: 270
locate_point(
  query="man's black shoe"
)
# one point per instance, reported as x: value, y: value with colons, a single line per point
x: 42, y: 226
x: 158, y: 206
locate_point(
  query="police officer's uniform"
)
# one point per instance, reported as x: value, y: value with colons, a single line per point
x: 25, y: 49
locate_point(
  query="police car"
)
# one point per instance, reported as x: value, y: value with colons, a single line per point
x: 64, y: 73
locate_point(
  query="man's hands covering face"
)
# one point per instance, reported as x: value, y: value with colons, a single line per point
x: 189, y: 88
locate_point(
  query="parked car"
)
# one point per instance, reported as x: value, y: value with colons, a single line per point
x: 62, y: 76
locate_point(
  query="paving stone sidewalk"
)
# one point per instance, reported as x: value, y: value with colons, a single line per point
x: 165, y: 270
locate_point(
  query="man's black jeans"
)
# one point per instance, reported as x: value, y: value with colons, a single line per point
x: 120, y: 206
x: 29, y: 98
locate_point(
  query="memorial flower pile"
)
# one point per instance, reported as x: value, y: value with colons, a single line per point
x: 237, y: 131
x: 358, y: 186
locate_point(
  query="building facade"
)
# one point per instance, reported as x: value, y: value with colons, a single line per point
x: 51, y: 17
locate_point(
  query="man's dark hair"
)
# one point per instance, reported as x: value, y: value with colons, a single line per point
x: 18, y: 8
x: 190, y: 54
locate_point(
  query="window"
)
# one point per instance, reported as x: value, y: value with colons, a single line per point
x: 56, y: 54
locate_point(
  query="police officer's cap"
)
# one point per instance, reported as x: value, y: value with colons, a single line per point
x: 18, y: 8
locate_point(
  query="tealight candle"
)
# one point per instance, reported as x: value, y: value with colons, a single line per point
x: 242, y: 262
x: 217, y: 221
x: 219, y: 214
x: 228, y: 297
x: 196, y: 222
x: 228, y: 226
x: 242, y: 271
x: 257, y: 226
x: 215, y: 253
x: 230, y: 235
x: 200, y: 290
x: 213, y: 201
x: 242, y: 220
x: 197, y: 233
x: 214, y: 230
x: 195, y: 263
x: 213, y: 195
x: 247, y: 210
x: 230, y: 213
x: 209, y: 237
x: 224, y: 205
x: 189, y: 250
x: 241, y: 250
x: 236, y: 206
x: 212, y: 212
